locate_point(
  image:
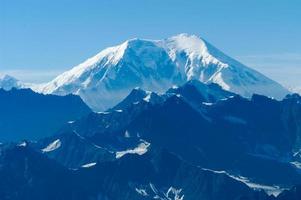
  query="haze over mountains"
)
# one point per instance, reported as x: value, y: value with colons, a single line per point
x: 172, y: 119
x: 156, y: 65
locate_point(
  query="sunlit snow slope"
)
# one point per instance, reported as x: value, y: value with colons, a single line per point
x: 105, y: 79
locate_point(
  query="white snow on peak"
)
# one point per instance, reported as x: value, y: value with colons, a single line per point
x: 188, y: 43
x: 89, y: 165
x: 156, y: 65
x: 22, y: 144
x: 140, y: 150
x: 148, y: 96
x: 8, y: 82
x: 192, y: 45
x: 52, y: 146
x: 109, y: 55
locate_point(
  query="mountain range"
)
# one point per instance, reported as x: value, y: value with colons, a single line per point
x: 172, y: 119
x: 195, y: 141
x: 156, y: 65
x: 25, y: 114
x: 228, y: 133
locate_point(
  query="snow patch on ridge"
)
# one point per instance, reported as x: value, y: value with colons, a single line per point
x: 207, y: 103
x: 141, y: 149
x: 141, y: 192
x: 174, y: 194
x: 52, y: 146
x: 296, y: 164
x: 22, y: 144
x: 270, y: 190
x: 88, y: 165
x: 148, y: 96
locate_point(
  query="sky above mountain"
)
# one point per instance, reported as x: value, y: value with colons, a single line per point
x: 41, y: 39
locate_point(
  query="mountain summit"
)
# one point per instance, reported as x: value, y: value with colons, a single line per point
x: 156, y: 65
x: 8, y: 82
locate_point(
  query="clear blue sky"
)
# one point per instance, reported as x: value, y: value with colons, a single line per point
x: 41, y: 38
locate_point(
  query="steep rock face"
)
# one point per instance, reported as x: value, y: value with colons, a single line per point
x: 293, y: 194
x: 175, y: 146
x: 29, y: 115
x: 156, y: 65
x: 159, y: 174
x: 72, y: 150
x: 26, y: 174
x: 197, y: 93
x: 210, y: 127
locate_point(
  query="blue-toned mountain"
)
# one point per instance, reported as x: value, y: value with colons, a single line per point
x: 29, y: 115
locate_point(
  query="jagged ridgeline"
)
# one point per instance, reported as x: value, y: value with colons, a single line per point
x: 172, y: 119
x: 25, y: 114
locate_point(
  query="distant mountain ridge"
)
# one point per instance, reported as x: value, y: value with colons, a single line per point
x: 8, y: 82
x: 25, y: 114
x: 26, y: 174
x: 196, y: 141
x: 156, y: 65
x: 177, y: 120
x: 204, y: 125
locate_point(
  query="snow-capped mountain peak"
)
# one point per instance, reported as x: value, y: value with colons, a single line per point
x: 8, y: 82
x: 156, y: 65
x: 195, y: 48
x: 191, y: 44
x: 109, y: 55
